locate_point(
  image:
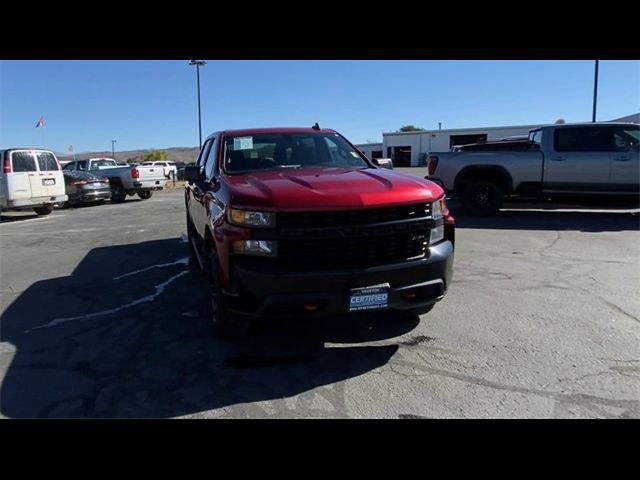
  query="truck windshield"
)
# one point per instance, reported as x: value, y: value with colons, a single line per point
x: 289, y: 150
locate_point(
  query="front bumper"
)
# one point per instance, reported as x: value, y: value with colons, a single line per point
x: 261, y: 291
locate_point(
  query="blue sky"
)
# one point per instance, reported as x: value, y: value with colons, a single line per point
x: 153, y: 104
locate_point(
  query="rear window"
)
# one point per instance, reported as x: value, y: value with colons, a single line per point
x: 583, y: 139
x: 46, y: 162
x: 23, y: 162
x: 97, y: 164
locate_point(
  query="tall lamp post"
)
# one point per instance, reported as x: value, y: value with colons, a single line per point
x: 595, y: 92
x: 198, y: 64
x: 113, y: 149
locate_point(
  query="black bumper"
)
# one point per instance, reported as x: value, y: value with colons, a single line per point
x: 263, y: 291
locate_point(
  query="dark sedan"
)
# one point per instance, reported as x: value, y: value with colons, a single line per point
x: 85, y: 187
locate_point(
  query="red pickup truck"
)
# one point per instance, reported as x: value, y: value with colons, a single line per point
x: 296, y: 221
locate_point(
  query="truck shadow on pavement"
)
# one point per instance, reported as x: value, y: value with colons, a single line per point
x: 517, y: 216
x: 18, y: 218
x: 125, y: 336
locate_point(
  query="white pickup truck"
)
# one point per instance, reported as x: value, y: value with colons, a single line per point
x: 123, y: 179
x: 562, y: 160
x: 168, y: 168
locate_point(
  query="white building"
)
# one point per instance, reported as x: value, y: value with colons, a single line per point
x: 371, y: 150
x: 410, y: 149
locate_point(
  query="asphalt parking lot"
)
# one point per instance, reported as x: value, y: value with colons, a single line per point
x: 102, y: 317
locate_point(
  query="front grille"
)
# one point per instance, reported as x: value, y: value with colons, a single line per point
x: 369, y: 245
x: 351, y: 217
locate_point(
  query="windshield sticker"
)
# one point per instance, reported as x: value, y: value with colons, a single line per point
x: 243, y: 143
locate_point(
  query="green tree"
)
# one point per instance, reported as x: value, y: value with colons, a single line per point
x: 410, y: 128
x: 155, y: 156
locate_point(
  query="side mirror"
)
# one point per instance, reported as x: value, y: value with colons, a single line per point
x: 194, y: 173
x: 383, y: 163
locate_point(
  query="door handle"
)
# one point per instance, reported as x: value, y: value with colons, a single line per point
x: 621, y: 159
x: 557, y: 159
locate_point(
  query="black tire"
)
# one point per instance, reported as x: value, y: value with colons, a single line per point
x: 192, y: 240
x: 118, y: 193
x: 145, y: 194
x: 44, y: 210
x: 227, y: 324
x: 482, y: 198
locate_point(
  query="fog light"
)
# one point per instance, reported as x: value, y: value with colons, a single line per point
x: 310, y: 306
x: 264, y: 248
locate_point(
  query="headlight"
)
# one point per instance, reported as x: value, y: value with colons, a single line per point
x: 436, y: 209
x: 252, y: 219
x: 437, y: 232
x: 263, y: 248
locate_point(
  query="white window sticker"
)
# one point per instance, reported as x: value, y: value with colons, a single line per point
x: 243, y: 143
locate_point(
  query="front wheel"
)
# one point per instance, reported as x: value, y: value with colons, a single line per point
x: 482, y: 198
x: 145, y: 194
x: 44, y: 210
x: 227, y: 324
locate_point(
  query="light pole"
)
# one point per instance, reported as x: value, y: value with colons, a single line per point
x: 113, y: 149
x: 198, y: 64
x: 595, y: 92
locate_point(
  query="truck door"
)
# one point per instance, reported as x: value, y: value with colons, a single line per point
x: 578, y: 159
x: 625, y: 159
x: 22, y: 179
x: 50, y: 175
x: 197, y: 189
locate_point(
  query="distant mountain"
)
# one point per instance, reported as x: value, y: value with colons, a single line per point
x: 175, y: 154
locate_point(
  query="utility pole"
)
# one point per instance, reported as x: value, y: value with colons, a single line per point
x: 198, y: 64
x: 595, y: 92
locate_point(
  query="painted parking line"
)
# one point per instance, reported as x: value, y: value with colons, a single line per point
x: 22, y: 222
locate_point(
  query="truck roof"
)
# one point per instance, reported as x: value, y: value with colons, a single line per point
x: 585, y: 124
x: 272, y: 130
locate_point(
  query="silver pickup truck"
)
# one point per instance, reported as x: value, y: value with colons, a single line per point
x: 563, y: 160
x: 123, y: 179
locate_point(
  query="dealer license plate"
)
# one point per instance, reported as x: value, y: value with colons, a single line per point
x: 369, y: 298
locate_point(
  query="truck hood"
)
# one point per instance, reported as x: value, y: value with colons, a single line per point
x: 328, y: 188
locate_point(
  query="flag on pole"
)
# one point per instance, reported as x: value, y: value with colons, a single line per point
x: 40, y: 122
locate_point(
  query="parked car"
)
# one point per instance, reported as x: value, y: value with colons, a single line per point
x: 563, y: 160
x: 168, y: 168
x: 123, y: 180
x: 30, y: 179
x: 85, y: 187
x: 299, y: 222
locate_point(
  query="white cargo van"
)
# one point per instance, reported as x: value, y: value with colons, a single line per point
x: 30, y: 179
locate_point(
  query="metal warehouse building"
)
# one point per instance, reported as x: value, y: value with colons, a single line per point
x: 410, y: 149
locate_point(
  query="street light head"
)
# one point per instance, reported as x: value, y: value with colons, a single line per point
x: 197, y: 62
